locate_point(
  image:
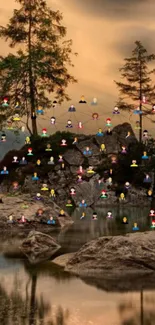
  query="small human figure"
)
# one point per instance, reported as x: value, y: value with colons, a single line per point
x: 53, y: 120
x: 128, y: 134
x: 75, y: 140
x: 38, y: 197
x: 48, y: 147
x: 3, y: 137
x: 15, y: 160
x: 33, y: 116
x: 127, y: 185
x: 80, y: 170
x: 134, y: 163
x: 123, y: 149
x: 44, y: 187
x: 38, y: 162
x: 60, y: 158
x: 103, y: 194
x: 135, y: 226
x: 4, y: 171
x: 153, y: 224
x: 153, y: 109
x: 94, y: 101
x: 69, y: 203
x: 25, y: 206
x: 15, y: 185
x: 16, y: 117
x: 51, y: 221
x: 22, y: 219
x: 51, y: 161
x: 137, y: 111
x: 71, y: 109
x: 90, y: 170
x: 62, y: 213
x: 83, y: 215
x: 145, y: 134
x: 125, y: 221
x: 23, y: 128
x: 52, y: 193
x: 35, y: 177
x: 108, y: 132
x: 149, y: 194
x: 72, y: 191
x: 80, y: 125
x: 147, y: 179
x: 10, y: 219
x: 82, y: 100
x: 63, y: 143
x: 109, y: 181
x: 17, y: 106
x: 95, y: 116
x: 87, y: 151
x: 9, y: 125
x: 83, y: 204
x: 44, y: 133
x: 114, y: 160
x: 94, y: 216
x: 109, y: 215
x: 116, y: 110
x: 145, y: 156
x: 152, y: 213
x: 122, y: 197
x: 137, y: 126
x: 29, y: 152
x: 40, y: 111
x: 23, y: 161
x: 108, y: 122
x: 27, y: 140
x: 79, y: 180
x: 144, y: 101
x: 62, y: 165
x: 5, y: 102
x: 69, y: 124
x: 102, y: 148
x: 39, y: 212
x: 100, y: 133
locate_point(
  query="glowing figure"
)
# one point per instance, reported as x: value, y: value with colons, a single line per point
x: 15, y: 185
x: 124, y: 149
x: 16, y: 117
x: 15, y: 160
x: 87, y: 152
x: 52, y: 193
x: 3, y: 137
x: 72, y: 191
x: 69, y: 124
x: 152, y: 213
x: 116, y: 110
x: 63, y: 143
x: 127, y: 185
x: 94, y: 102
x: 53, y: 120
x: 44, y: 133
x: 147, y: 179
x: 122, y: 197
x: 135, y: 226
x: 75, y: 140
x: 17, y: 106
x: 40, y: 111
x: 4, y: 171
x: 94, y: 216
x: 102, y: 148
x: 90, y: 170
x: 109, y: 215
x: 38, y: 162
x: 83, y: 204
x: 48, y: 147
x: 145, y: 157
x: 113, y: 159
x: 5, y: 102
x: 35, y: 177
x: 125, y: 221
x: 69, y: 203
x: 60, y: 158
x: 103, y: 194
x: 137, y: 111
x: 44, y: 187
x: 134, y: 163
x: 29, y: 152
x: 149, y: 193
x: 79, y: 180
x: 153, y: 224
x: 80, y: 125
x: 83, y: 215
x: 27, y: 140
x: 82, y: 100
x: 100, y: 133
x: 51, y: 161
x: 108, y: 122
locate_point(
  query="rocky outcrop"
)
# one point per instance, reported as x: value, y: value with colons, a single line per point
x: 39, y: 247
x: 118, y: 262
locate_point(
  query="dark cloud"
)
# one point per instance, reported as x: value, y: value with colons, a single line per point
x: 118, y: 9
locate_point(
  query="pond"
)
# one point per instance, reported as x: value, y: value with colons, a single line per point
x: 47, y: 295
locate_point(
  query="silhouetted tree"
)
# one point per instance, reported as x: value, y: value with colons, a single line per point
x: 40, y: 67
x: 138, y: 82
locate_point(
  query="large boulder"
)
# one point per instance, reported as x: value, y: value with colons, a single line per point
x: 73, y: 157
x: 39, y: 247
x: 121, y: 262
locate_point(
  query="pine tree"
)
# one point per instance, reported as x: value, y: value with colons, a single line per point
x: 138, y: 83
x: 40, y: 67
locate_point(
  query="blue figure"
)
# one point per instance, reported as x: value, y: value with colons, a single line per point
x: 4, y: 171
x: 87, y: 152
x: 83, y: 204
x: 145, y: 157
x: 51, y: 221
x: 35, y: 177
x: 135, y: 227
x: 100, y: 133
x: 137, y: 111
x: 40, y: 111
x: 71, y: 109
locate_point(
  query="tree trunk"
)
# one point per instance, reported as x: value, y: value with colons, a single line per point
x: 33, y: 300
x: 140, y: 99
x: 141, y: 308
x: 31, y: 79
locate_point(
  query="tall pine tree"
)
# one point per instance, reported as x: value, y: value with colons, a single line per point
x: 138, y: 83
x: 41, y: 65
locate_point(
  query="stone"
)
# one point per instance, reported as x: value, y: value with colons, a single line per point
x: 73, y: 157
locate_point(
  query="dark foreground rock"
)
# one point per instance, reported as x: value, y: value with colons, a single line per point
x: 117, y: 263
x: 39, y: 247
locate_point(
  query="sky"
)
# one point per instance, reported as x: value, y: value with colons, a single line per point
x: 103, y: 34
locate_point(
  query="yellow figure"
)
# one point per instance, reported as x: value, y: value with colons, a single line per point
x: 125, y: 220
x: 16, y: 117
x: 90, y: 170
x: 62, y: 213
x: 44, y: 187
x: 134, y: 163
x: 149, y: 192
x: 122, y: 196
x: 102, y: 147
x: 52, y: 193
x: 38, y: 162
x: 27, y: 140
x: 48, y: 148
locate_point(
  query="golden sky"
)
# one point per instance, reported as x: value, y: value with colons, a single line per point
x: 103, y: 33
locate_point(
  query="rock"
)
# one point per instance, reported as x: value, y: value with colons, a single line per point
x: 39, y: 247
x: 63, y: 259
x: 117, y: 260
x: 73, y: 157
x: 87, y: 191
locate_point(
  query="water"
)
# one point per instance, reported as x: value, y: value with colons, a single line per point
x: 46, y: 295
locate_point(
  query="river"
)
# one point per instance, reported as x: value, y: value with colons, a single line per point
x: 46, y: 295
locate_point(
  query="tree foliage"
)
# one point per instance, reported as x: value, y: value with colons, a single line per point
x: 40, y: 67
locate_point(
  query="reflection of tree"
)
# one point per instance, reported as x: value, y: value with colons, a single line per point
x: 142, y: 317
x: 16, y: 308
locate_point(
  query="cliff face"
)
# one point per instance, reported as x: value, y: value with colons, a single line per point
x: 64, y: 176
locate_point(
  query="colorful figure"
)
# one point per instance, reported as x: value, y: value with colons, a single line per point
x: 33, y: 116
x: 60, y: 158
x: 102, y: 148
x: 94, y: 216
x: 95, y: 116
x: 5, y: 102
x: 134, y: 163
x: 69, y: 203
x: 83, y: 204
x: 72, y: 191
x: 15, y: 185
x: 51, y: 221
x: 48, y: 147
x: 145, y: 134
x: 53, y: 120
x: 80, y: 180
x: 152, y: 213
x: 51, y: 161
x: 153, y: 224
x: 62, y: 213
x: 116, y: 110
x: 128, y: 134
x: 38, y: 197
x: 125, y: 221
x: 137, y: 126
x: 137, y: 111
x: 109, y: 215
x: 27, y: 140
x: 114, y: 160
x: 108, y: 122
x: 52, y: 193
x: 16, y: 117
x: 75, y: 140
x: 80, y: 170
x: 90, y: 170
x: 122, y: 197
x: 35, y: 177
x: 87, y: 152
x: 69, y: 124
x: 127, y: 185
x: 103, y: 194
x: 135, y: 226
x: 4, y: 171
x: 3, y: 137
x: 72, y: 109
x: 40, y: 111
x: 44, y: 187
x: 80, y: 125
x: 109, y: 132
x: 100, y: 133
x: 15, y: 160
x: 82, y: 100
x: 124, y: 149
x: 44, y: 133
x: 63, y: 143
x: 145, y: 157
x: 29, y: 152
x: 149, y: 194
x: 9, y: 125
x: 83, y: 215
